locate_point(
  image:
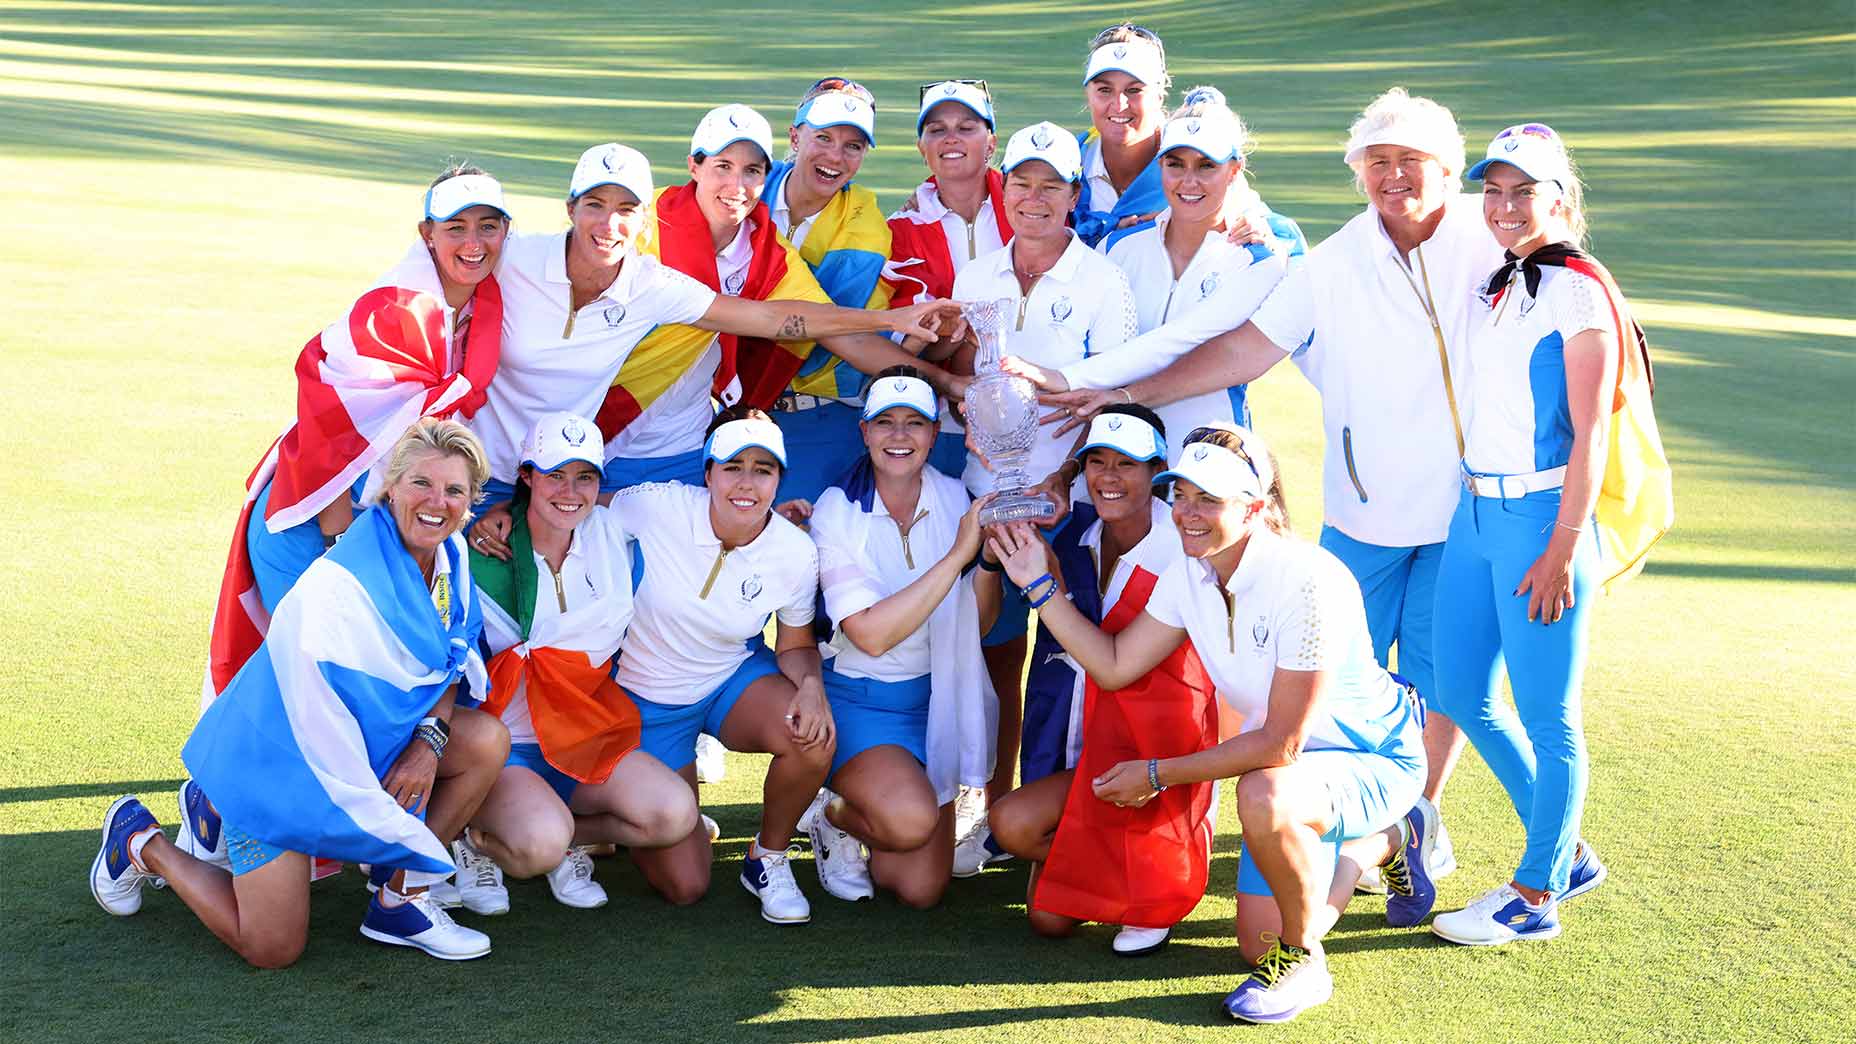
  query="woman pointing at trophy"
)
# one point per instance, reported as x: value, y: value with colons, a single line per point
x: 1057, y: 302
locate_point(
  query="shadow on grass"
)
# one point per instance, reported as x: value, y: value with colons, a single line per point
x: 57, y: 791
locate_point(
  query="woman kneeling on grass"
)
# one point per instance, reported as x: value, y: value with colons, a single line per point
x: 329, y: 740
x: 915, y: 712
x: 554, y: 615
x: 1329, y: 751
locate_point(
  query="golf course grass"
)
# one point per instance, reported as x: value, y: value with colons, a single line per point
x: 194, y: 189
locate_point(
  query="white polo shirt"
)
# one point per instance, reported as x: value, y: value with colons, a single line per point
x: 698, y: 606
x: 557, y: 359
x: 1218, y: 290
x: 1290, y: 606
x: 865, y: 574
x: 1516, y: 415
x: 1081, y: 307
x: 783, y: 216
x: 1103, y: 195
x: 598, y: 567
x: 1354, y: 315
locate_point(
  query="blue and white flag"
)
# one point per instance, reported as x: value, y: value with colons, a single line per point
x: 292, y: 753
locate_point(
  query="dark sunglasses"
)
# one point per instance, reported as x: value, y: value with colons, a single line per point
x: 840, y: 85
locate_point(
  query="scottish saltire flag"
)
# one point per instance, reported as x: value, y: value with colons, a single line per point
x: 753, y: 370
x: 921, y: 264
x: 360, y: 384
x: 361, y: 648
x: 846, y: 250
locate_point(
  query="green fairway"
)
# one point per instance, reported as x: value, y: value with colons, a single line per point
x: 195, y: 189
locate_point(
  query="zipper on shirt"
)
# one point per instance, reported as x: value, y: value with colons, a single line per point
x: 714, y: 571
x: 560, y: 593
x: 1167, y: 309
x: 568, y: 330
x: 908, y: 557
x: 1022, y: 302
x: 973, y: 245
x: 1230, y: 618
x: 1346, y: 445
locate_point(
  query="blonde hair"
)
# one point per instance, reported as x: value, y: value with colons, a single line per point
x: 434, y: 436
x: 1574, y: 194
x: 1126, y: 31
x: 1207, y: 103
x: 1430, y: 122
x: 1251, y: 447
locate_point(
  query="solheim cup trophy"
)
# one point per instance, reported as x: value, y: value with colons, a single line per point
x: 1002, y: 414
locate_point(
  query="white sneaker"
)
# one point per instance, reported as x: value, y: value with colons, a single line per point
x: 711, y: 760
x: 770, y: 879
x: 813, y: 810
x: 1499, y: 916
x: 843, y: 869
x: 712, y: 828
x: 1443, y: 854
x: 572, y: 882
x: 976, y: 851
x: 420, y: 923
x: 479, y: 880
x: 1139, y: 942
x: 115, y: 880
x: 445, y: 894
x: 201, y: 834
x: 969, y: 810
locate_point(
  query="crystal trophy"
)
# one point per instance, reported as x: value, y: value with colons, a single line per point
x: 1002, y: 414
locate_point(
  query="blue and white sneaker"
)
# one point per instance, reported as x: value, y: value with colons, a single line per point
x: 1288, y: 981
x: 1500, y: 916
x: 201, y: 834
x: 1410, y: 892
x: 422, y: 924
x: 1587, y: 873
x: 977, y: 851
x: 115, y: 880
x: 770, y: 879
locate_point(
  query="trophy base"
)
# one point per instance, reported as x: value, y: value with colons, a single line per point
x: 1016, y: 507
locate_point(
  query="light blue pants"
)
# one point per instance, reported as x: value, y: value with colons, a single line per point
x: 1399, y: 587
x: 1537, y: 747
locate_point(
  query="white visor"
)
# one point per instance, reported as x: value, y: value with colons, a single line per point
x: 838, y: 109
x: 1138, y: 58
x: 560, y: 438
x: 967, y: 94
x: 1048, y: 142
x: 1126, y: 434
x: 453, y: 196
x: 1531, y: 148
x: 1217, y: 471
x: 731, y: 438
x: 1212, y: 138
x: 1432, y: 132
x: 612, y: 164
x: 889, y: 392
x: 727, y: 124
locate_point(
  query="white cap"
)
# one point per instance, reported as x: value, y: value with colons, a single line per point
x: 888, y: 392
x: 559, y: 438
x: 1126, y: 434
x: 730, y: 439
x: 1048, y: 142
x: 724, y: 125
x: 1531, y: 148
x: 971, y: 95
x: 1415, y: 123
x: 1221, y: 472
x: 838, y: 109
x: 612, y: 164
x: 453, y: 196
x: 1216, y: 139
x: 1138, y: 58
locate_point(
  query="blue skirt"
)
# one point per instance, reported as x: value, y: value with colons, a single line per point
x: 871, y: 713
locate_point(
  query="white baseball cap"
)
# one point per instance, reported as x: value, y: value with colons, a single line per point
x: 1048, y: 142
x: 560, y: 438
x: 1126, y: 434
x: 1531, y: 148
x: 838, y: 109
x: 1216, y: 139
x: 1221, y: 472
x: 970, y: 93
x: 888, y: 392
x: 724, y: 125
x: 455, y: 195
x: 612, y: 164
x: 1138, y: 58
x: 730, y: 439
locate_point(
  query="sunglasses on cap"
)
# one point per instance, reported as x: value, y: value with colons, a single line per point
x: 1202, y: 434
x: 1533, y: 130
x: 1139, y: 30
x: 922, y: 96
x: 840, y: 85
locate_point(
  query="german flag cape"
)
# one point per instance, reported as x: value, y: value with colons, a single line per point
x: 1145, y: 867
x: 846, y: 250
x: 921, y: 264
x: 753, y: 370
x: 584, y: 723
x: 1636, y: 500
x: 361, y: 383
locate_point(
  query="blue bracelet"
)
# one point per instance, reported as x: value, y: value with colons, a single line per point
x: 1048, y: 592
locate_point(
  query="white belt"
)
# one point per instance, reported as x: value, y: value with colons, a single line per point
x: 1510, y: 486
x: 796, y: 402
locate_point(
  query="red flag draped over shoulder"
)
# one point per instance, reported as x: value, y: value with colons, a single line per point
x: 920, y: 263
x: 1145, y: 867
x: 361, y: 383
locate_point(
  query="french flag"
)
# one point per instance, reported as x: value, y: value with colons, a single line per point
x: 360, y: 384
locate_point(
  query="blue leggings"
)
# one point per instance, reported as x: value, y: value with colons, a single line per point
x: 1398, y: 586
x: 1537, y: 748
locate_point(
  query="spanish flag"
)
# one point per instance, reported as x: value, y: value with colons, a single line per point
x: 846, y: 250
x: 753, y: 370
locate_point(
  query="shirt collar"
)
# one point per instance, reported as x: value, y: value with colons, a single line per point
x: 555, y: 270
x: 1063, y: 271
x: 1159, y: 531
x: 1095, y: 168
x: 1250, y: 568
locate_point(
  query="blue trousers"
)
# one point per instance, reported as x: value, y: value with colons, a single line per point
x: 1399, y: 587
x: 821, y: 445
x: 1537, y: 747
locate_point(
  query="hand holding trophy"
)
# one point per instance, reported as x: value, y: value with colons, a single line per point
x: 1002, y: 416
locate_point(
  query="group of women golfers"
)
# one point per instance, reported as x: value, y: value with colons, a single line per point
x: 559, y: 507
